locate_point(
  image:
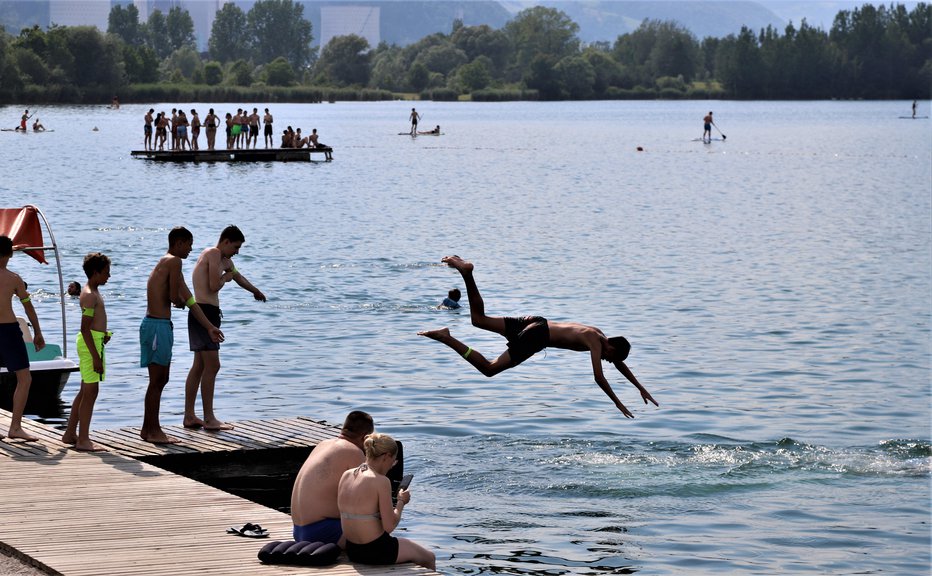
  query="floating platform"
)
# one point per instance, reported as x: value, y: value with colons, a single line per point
x: 75, y: 513
x: 236, y: 155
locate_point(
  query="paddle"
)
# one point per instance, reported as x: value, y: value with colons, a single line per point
x: 719, y: 131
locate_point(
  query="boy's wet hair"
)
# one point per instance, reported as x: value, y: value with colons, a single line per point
x: 622, y: 347
x: 233, y: 234
x: 179, y: 234
x: 6, y: 246
x: 95, y: 262
x: 454, y: 294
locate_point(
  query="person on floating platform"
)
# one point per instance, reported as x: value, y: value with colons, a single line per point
x: 214, y: 268
x: 173, y: 127
x: 92, y: 339
x: 182, y: 129
x: 37, y: 126
x: 166, y: 286
x: 314, y: 143
x: 147, y: 130
x: 531, y: 334
x: 13, y: 354
x: 211, y: 122
x: 161, y: 130
x: 195, y: 129
x: 436, y: 130
x: 253, y: 128
x: 314, y: 510
x: 269, y: 134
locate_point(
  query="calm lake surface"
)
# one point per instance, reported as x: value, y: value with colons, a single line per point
x: 776, y: 288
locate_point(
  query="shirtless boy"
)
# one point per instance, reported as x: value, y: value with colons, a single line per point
x: 314, y: 510
x: 147, y: 129
x: 91, y: 358
x: 531, y: 334
x: 13, y: 355
x: 253, y: 128
x: 214, y: 268
x: 166, y: 286
x: 269, y: 134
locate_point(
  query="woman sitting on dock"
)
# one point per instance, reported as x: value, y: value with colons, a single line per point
x: 366, y: 513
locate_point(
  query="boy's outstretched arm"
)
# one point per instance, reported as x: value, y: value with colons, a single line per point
x: 246, y: 284
x: 596, y: 352
x: 623, y: 368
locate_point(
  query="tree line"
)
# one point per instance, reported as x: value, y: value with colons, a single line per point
x: 268, y: 54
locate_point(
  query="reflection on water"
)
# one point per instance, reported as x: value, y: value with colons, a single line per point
x: 775, y: 288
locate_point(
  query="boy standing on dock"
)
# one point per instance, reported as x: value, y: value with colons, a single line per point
x: 214, y: 268
x: 13, y: 354
x: 166, y: 286
x: 91, y: 341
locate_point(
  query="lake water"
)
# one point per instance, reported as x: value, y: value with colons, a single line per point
x: 776, y: 288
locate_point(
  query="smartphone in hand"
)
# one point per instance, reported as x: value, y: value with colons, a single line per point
x: 405, y: 481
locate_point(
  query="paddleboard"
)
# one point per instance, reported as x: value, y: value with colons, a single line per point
x: 707, y: 141
x: 24, y: 131
x: 913, y: 117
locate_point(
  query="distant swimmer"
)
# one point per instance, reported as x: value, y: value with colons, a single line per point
x: 531, y: 334
x: 707, y: 127
x: 452, y: 301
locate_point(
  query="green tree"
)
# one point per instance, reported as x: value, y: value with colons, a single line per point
x: 442, y: 58
x: 739, y: 66
x: 542, y: 76
x: 607, y: 72
x: 541, y: 32
x: 278, y: 72
x: 124, y: 22
x: 345, y: 61
x: 213, y: 73
x: 278, y: 28
x: 180, y: 29
x: 475, y: 75
x: 387, y: 68
x: 10, y: 81
x: 576, y: 77
x: 141, y: 64
x: 241, y: 73
x: 157, y: 34
x: 228, y: 35
x: 186, y: 61
x: 31, y: 68
x: 418, y: 77
x: 483, y: 40
x: 33, y: 39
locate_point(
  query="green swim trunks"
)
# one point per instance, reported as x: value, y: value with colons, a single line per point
x: 86, y: 361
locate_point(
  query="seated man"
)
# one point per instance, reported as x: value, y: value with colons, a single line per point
x: 37, y: 126
x: 314, y: 510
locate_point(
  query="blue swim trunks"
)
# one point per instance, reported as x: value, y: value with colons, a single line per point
x: 156, y: 338
x: 13, y: 355
x: 326, y: 530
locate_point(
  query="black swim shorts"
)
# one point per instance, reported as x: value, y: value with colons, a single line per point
x: 198, y: 336
x: 382, y: 550
x: 526, y: 336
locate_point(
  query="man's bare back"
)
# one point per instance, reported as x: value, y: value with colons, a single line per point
x: 315, y: 490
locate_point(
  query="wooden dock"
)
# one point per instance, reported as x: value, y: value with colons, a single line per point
x: 75, y: 513
x: 236, y: 155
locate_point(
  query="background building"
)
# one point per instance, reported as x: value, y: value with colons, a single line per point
x: 79, y: 13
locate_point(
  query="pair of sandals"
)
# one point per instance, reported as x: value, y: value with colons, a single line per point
x: 248, y: 530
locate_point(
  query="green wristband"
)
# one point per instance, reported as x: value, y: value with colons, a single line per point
x: 190, y: 302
